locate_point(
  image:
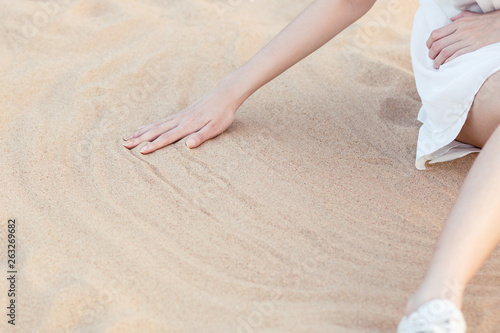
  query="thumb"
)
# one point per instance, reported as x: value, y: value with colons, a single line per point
x: 465, y: 13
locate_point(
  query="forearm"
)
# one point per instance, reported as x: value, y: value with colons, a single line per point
x: 315, y: 26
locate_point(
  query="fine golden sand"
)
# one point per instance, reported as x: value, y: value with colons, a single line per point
x: 306, y: 215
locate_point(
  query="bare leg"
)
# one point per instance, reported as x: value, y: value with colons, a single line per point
x: 484, y: 115
x: 472, y: 230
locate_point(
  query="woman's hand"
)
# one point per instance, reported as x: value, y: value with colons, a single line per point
x: 468, y: 32
x: 201, y: 121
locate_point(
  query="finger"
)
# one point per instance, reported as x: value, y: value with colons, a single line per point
x: 164, y: 140
x: 465, y: 13
x: 207, y: 132
x: 138, y: 132
x: 143, y: 129
x: 151, y: 134
x: 438, y: 46
x: 459, y: 53
x: 448, y: 53
x: 440, y: 33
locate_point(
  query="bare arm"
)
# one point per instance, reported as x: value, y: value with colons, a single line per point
x: 311, y: 29
x: 316, y: 25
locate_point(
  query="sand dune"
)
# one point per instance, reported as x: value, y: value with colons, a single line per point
x: 306, y: 215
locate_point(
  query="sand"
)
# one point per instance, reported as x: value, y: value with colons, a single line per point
x: 306, y: 215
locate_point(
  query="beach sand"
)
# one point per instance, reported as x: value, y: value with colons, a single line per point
x: 306, y: 215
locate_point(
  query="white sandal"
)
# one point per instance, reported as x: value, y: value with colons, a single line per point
x: 436, y: 316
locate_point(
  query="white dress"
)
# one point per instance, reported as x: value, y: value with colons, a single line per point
x: 448, y: 92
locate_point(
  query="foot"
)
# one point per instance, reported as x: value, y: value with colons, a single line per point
x: 434, y: 316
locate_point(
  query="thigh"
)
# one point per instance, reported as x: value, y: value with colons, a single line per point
x: 484, y: 115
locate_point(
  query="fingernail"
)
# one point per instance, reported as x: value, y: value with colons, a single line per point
x: 190, y: 143
x: 127, y: 143
x: 143, y: 149
x: 128, y: 137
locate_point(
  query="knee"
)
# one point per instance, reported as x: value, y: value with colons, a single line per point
x: 484, y: 115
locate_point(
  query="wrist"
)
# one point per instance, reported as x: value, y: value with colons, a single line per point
x: 236, y: 87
